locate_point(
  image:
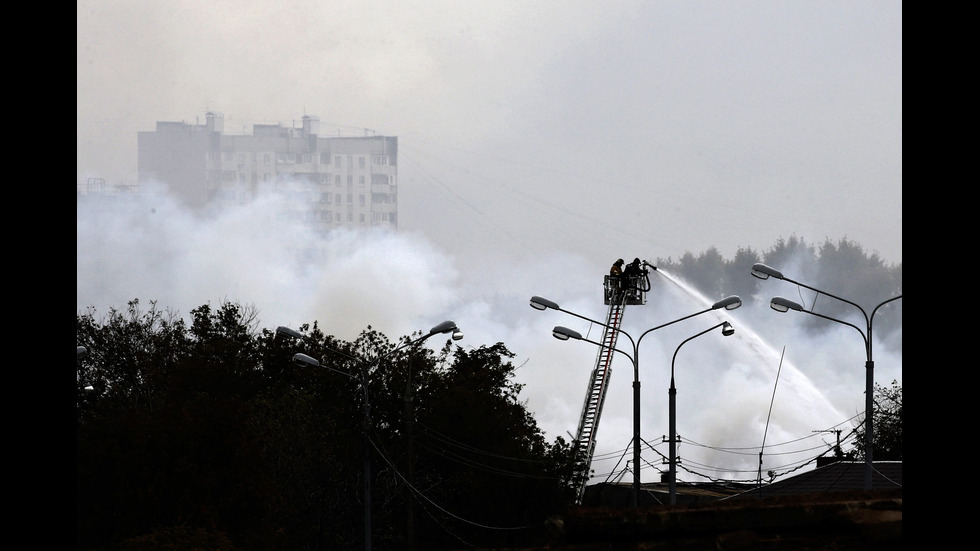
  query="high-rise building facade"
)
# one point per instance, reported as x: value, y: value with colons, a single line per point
x: 328, y: 181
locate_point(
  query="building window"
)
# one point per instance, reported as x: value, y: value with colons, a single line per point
x: 266, y: 158
x: 336, y: 160
x: 324, y: 158
x: 360, y: 180
x: 307, y: 158
x: 360, y: 200
x: 337, y: 198
x: 360, y: 162
x: 350, y: 199
x: 361, y: 217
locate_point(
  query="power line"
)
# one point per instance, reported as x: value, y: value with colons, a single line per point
x: 417, y: 492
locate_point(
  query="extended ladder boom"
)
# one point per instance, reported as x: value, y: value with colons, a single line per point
x: 595, y: 396
x: 618, y: 293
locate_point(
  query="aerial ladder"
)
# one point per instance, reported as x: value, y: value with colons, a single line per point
x: 618, y: 292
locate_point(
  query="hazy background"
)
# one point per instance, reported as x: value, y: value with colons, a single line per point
x: 538, y: 142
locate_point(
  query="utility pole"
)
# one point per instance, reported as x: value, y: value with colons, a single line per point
x: 837, y: 451
x: 409, y: 424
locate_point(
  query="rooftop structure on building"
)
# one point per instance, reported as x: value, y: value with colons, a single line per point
x: 328, y: 181
x: 99, y: 187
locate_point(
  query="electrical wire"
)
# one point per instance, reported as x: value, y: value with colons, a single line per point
x: 436, y: 435
x: 415, y: 491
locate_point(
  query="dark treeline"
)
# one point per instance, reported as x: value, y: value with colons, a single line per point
x: 842, y: 269
x: 207, y: 436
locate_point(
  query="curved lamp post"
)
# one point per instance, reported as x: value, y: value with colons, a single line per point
x: 304, y: 359
x: 726, y: 330
x: 563, y: 333
x: 781, y: 304
x: 444, y: 327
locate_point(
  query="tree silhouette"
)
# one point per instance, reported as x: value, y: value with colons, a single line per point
x: 207, y: 435
x: 887, y: 440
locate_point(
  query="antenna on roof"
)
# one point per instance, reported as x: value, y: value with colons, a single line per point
x: 771, y: 400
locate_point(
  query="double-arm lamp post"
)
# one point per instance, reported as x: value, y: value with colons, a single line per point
x: 726, y: 330
x: 563, y: 333
x: 781, y: 304
x: 303, y: 359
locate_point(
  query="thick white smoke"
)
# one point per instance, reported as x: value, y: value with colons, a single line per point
x: 148, y: 247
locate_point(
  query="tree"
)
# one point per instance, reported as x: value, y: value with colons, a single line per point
x: 735, y: 282
x: 160, y: 443
x: 887, y: 419
x: 207, y: 436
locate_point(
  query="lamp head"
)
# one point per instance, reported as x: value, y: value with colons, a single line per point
x: 762, y: 271
x: 728, y: 303
x: 564, y: 333
x: 282, y: 329
x: 302, y: 359
x: 444, y: 327
x: 457, y: 335
x: 727, y: 329
x: 781, y: 304
x: 541, y: 303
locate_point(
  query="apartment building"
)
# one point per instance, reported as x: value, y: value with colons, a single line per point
x: 329, y: 181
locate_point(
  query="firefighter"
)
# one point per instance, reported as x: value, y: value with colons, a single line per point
x: 617, y: 268
x: 632, y: 269
x: 630, y: 276
x: 616, y: 279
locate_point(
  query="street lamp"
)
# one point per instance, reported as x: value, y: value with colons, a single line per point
x: 563, y: 333
x: 443, y: 327
x: 780, y: 304
x: 726, y: 330
x: 304, y: 359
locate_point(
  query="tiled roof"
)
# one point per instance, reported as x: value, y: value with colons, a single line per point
x: 838, y: 476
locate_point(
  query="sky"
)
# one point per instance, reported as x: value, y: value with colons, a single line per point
x: 538, y: 142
